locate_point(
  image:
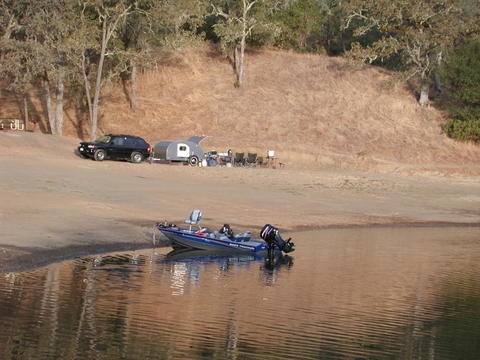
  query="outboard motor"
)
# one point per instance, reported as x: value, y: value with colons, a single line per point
x: 272, y: 237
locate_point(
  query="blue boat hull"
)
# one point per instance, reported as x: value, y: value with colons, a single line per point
x: 205, y: 239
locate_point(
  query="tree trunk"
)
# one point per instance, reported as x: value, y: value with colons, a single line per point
x: 87, y: 87
x: 98, y: 83
x: 133, y: 87
x: 438, y: 83
x: 424, y: 100
x: 241, y: 65
x: 243, y: 41
x: 25, y: 110
x: 59, y: 105
x: 50, y: 113
x: 236, y: 62
x: 108, y: 30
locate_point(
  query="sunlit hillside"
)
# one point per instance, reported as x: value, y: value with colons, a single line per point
x: 313, y: 110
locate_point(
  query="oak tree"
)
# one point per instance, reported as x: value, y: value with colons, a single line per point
x: 101, y: 18
x: 412, y: 35
x: 236, y: 21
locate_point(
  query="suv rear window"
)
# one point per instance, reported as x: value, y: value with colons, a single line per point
x: 140, y: 143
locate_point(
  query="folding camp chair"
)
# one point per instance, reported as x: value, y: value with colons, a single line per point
x: 239, y: 159
x: 251, y: 159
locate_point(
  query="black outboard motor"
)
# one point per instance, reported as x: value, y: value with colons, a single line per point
x: 272, y: 237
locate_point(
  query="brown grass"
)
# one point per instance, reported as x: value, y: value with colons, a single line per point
x: 314, y: 111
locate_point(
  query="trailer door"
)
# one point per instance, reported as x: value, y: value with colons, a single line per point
x: 183, y: 150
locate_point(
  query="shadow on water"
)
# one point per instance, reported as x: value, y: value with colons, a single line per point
x: 351, y: 294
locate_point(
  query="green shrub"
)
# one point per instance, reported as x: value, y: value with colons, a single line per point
x: 463, y: 130
x: 462, y: 79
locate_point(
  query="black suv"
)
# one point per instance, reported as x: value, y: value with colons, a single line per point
x: 116, y: 147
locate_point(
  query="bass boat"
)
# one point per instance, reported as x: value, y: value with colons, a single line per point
x: 195, y: 237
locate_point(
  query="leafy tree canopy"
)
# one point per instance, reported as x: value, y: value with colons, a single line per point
x: 461, y: 73
x: 301, y: 23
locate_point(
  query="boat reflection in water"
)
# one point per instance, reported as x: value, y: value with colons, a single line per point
x: 226, y: 260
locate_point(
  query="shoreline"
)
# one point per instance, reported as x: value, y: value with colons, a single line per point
x: 17, y: 260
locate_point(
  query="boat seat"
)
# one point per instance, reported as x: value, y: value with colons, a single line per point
x: 194, y: 218
x: 246, y: 236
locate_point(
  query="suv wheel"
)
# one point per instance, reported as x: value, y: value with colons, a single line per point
x: 136, y: 157
x: 99, y: 155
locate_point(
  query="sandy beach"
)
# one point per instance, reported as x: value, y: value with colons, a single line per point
x: 56, y: 205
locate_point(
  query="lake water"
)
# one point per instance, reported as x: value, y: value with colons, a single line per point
x: 376, y: 293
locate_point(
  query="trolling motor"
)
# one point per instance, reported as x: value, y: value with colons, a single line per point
x: 272, y: 237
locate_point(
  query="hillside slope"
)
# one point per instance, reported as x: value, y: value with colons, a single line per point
x: 314, y: 111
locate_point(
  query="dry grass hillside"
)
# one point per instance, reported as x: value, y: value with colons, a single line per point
x: 314, y: 111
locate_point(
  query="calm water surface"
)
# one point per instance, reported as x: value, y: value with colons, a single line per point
x: 383, y: 293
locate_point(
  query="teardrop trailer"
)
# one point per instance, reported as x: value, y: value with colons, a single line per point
x: 186, y: 151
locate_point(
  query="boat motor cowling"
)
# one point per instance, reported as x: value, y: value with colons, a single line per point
x: 272, y: 237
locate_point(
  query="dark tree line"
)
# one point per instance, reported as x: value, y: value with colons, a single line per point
x: 75, y: 46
